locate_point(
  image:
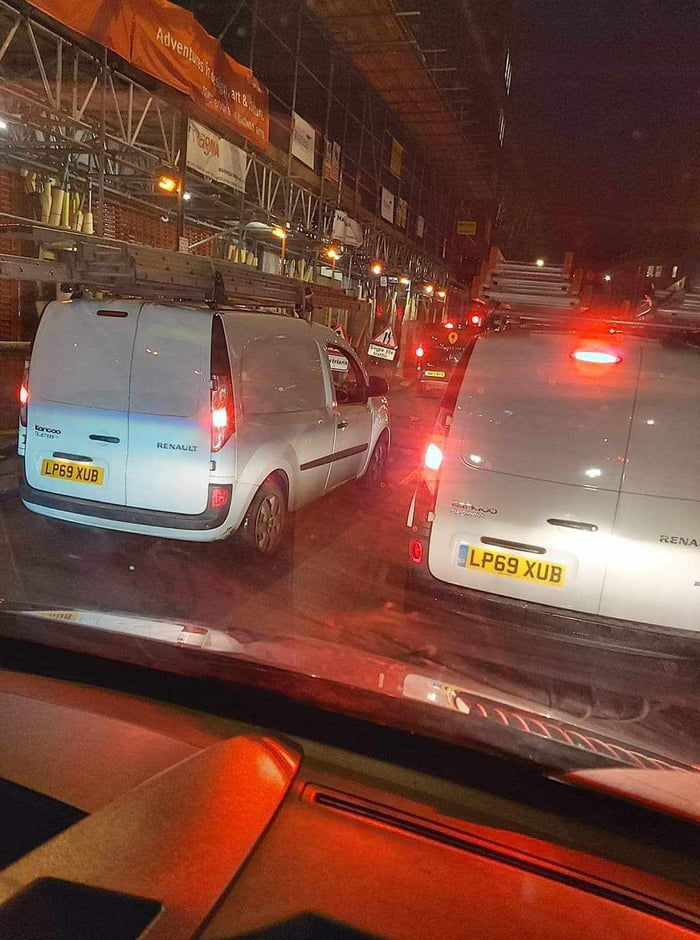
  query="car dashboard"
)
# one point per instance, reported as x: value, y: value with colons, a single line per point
x: 127, y: 817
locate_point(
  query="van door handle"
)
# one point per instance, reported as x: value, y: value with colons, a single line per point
x: 105, y: 438
x: 342, y: 425
x: 572, y: 524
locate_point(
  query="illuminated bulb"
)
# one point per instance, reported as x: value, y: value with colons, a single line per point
x: 377, y: 268
x: 593, y: 472
x: 441, y: 294
x: 540, y: 263
x: 187, y: 196
x: 167, y: 184
x: 405, y: 281
x: 279, y: 232
x: 428, y: 288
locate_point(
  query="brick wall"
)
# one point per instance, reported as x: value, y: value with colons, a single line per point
x: 10, y: 198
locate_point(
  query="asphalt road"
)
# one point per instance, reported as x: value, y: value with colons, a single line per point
x: 343, y: 580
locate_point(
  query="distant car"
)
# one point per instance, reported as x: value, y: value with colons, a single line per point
x: 437, y: 353
x: 563, y: 473
x: 192, y: 423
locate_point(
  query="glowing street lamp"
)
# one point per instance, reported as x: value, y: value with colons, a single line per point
x: 428, y: 288
x: 540, y: 262
x: 442, y: 294
x: 377, y: 268
x: 168, y: 183
x: 279, y: 232
x: 405, y: 282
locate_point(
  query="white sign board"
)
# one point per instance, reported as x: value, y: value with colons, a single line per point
x: 346, y: 230
x: 202, y: 150
x: 381, y: 352
x: 233, y: 165
x: 338, y: 363
x: 215, y: 157
x: 303, y: 141
x: 420, y: 226
x: 387, y: 209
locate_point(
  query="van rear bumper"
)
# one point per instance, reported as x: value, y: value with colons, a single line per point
x: 94, y: 512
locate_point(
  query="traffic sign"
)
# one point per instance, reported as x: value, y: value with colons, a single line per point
x: 386, y: 338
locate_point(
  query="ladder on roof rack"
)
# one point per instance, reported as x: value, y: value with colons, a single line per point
x: 516, y: 283
x: 124, y: 269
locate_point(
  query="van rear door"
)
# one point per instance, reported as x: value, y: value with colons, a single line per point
x: 531, y: 470
x: 170, y: 410
x: 77, y: 416
x: 654, y: 568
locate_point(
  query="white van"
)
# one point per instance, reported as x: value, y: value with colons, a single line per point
x: 192, y: 423
x: 564, y: 472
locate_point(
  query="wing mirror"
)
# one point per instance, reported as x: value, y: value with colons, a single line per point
x: 377, y: 386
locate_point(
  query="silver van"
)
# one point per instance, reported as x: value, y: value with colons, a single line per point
x: 192, y: 423
x: 563, y: 473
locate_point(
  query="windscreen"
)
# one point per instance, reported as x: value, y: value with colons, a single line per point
x: 362, y: 346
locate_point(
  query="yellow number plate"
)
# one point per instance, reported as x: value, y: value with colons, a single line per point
x: 436, y: 375
x: 491, y: 561
x: 73, y: 471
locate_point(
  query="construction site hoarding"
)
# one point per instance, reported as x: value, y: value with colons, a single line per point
x: 168, y: 43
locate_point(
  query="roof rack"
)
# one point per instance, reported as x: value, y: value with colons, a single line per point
x: 126, y: 269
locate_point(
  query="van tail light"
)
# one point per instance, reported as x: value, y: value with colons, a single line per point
x: 415, y: 550
x: 475, y: 319
x: 24, y: 396
x: 433, y: 456
x: 222, y: 413
x: 420, y: 352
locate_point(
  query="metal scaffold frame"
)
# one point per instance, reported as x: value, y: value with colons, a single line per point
x: 79, y: 121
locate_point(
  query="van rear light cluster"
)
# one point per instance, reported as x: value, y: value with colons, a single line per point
x: 433, y: 456
x: 222, y: 413
x: 24, y: 396
x: 415, y: 550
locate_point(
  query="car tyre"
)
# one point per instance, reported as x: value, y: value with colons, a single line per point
x: 375, y: 474
x: 265, y: 525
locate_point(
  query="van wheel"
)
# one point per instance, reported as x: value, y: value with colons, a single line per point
x: 265, y: 523
x: 376, y: 469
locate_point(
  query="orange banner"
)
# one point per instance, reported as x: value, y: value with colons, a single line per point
x: 168, y: 43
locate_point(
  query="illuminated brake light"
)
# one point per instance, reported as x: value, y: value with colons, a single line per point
x: 449, y: 326
x: 420, y: 352
x: 24, y: 396
x: 415, y: 550
x: 433, y: 457
x: 222, y: 417
x: 475, y: 319
x: 596, y: 356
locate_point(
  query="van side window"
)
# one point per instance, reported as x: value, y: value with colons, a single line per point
x: 281, y: 374
x: 348, y: 380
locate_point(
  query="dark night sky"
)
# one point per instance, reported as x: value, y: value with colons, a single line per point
x: 607, y: 102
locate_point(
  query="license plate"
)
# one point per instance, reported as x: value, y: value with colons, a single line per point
x: 434, y: 375
x: 73, y: 471
x: 531, y: 570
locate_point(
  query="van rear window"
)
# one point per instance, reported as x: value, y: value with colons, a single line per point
x: 528, y: 409
x: 281, y: 375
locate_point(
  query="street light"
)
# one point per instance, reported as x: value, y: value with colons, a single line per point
x: 540, y: 262
x: 279, y: 232
x: 405, y: 282
x: 428, y: 288
x: 187, y: 196
x: 442, y: 294
x: 607, y: 277
x: 377, y: 268
x: 167, y: 183
x: 333, y: 254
